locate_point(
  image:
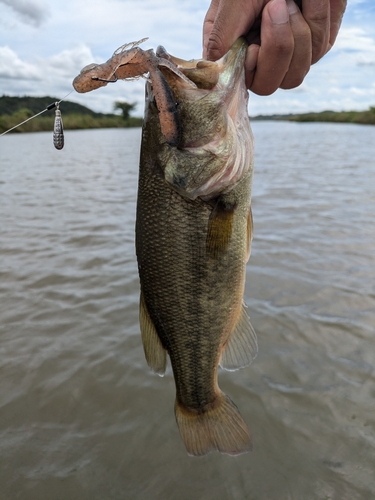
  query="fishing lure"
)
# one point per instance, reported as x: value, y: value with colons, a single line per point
x: 129, y: 62
x: 58, y: 129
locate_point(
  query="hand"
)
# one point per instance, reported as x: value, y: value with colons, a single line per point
x: 284, y: 41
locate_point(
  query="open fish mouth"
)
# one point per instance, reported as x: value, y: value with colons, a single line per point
x: 206, y: 74
x: 210, y: 121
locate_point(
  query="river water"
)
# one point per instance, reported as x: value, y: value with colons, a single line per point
x: 82, y: 417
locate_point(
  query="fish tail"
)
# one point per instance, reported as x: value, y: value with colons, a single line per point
x: 219, y: 427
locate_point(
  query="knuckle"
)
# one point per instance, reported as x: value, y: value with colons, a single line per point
x: 303, y: 32
x: 296, y: 73
x: 283, y: 47
x: 319, y: 48
x: 291, y: 82
x: 262, y: 89
x: 319, y: 40
x: 215, y: 46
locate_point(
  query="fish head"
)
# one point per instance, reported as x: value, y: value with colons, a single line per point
x: 215, y: 147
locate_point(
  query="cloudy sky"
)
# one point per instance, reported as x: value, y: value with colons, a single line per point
x: 45, y: 43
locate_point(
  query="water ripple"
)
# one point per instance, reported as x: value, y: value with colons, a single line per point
x: 77, y: 401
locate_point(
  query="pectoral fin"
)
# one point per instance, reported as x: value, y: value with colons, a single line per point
x: 242, y: 346
x: 155, y: 353
x: 219, y: 229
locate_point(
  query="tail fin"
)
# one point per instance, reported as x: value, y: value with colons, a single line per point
x: 220, y: 428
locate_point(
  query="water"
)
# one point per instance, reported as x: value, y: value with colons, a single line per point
x: 81, y: 416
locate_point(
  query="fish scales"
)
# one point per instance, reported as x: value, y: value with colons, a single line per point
x: 183, y: 289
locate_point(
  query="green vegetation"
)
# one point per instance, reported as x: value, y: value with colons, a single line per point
x: 360, y: 117
x: 125, y: 107
x: 14, y: 110
x: 10, y: 105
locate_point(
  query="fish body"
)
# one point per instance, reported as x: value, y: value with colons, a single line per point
x: 193, y: 236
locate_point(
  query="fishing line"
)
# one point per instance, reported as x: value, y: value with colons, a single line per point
x: 58, y: 130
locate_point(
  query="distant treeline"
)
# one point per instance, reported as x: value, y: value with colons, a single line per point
x: 14, y: 110
x: 361, y: 117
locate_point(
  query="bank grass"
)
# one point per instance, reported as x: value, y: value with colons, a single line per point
x: 73, y: 121
x: 360, y: 117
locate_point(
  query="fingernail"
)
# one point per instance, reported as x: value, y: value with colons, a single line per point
x: 278, y: 12
x: 292, y: 7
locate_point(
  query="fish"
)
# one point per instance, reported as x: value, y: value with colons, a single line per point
x: 193, y: 233
x: 193, y: 230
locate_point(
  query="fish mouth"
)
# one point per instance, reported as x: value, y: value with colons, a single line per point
x: 207, y: 75
x: 200, y: 84
x: 209, y: 103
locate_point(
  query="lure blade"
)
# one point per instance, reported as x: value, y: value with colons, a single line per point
x: 58, y: 130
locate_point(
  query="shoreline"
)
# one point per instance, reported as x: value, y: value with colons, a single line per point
x: 366, y: 117
x: 15, y: 110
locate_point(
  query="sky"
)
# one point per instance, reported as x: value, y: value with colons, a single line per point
x: 45, y: 43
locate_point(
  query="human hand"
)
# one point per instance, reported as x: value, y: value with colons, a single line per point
x: 284, y: 40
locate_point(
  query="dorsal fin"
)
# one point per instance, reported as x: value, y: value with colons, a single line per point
x: 242, y: 346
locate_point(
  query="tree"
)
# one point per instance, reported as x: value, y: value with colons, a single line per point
x: 125, y: 107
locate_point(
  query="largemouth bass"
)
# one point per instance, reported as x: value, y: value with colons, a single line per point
x: 193, y: 236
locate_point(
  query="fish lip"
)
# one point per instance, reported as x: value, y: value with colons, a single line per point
x: 230, y: 66
x: 233, y: 63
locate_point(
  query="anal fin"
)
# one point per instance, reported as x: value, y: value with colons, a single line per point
x: 242, y: 346
x: 156, y: 355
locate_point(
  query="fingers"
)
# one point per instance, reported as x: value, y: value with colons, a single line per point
x: 336, y: 13
x: 302, y: 53
x: 251, y: 64
x: 317, y: 16
x: 223, y: 24
x: 281, y: 52
x: 208, y: 23
x: 276, y: 50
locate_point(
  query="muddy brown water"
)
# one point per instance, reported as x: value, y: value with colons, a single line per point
x: 82, y: 417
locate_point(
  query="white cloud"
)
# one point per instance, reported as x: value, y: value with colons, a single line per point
x: 355, y: 38
x: 68, y: 62
x: 335, y: 91
x: 11, y: 67
x: 43, y: 76
x: 361, y: 92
